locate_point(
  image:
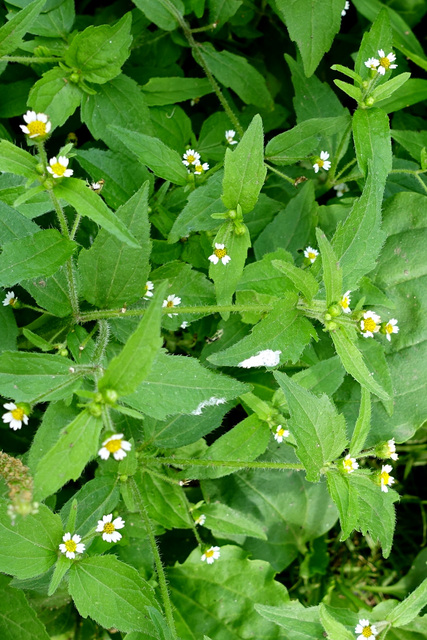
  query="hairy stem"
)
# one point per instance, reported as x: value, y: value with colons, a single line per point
x: 29, y: 59
x: 279, y: 173
x: 235, y: 464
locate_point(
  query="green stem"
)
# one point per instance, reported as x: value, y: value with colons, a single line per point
x: 75, y: 226
x: 29, y: 306
x: 422, y: 183
x: 235, y: 464
x: 279, y: 173
x: 63, y: 225
x: 29, y: 59
x: 343, y: 170
x: 337, y: 156
x: 167, y: 604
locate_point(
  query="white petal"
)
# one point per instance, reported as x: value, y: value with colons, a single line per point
x: 30, y: 116
x: 381, y: 70
x: 316, y: 167
x: 68, y: 173
x: 7, y: 417
x: 214, y: 259
x: 107, y: 537
x: 63, y: 548
x: 381, y: 53
x: 76, y: 538
x: 119, y: 455
x: 63, y: 160
x: 107, y: 518
x: 100, y: 527
x: 226, y: 259
x: 104, y: 453
x: 119, y: 523
x: 15, y: 424
x: 42, y: 117
x: 71, y: 555
x: 80, y: 548
x: 10, y: 406
x: 126, y: 445
x: 66, y: 536
x: 116, y: 536
x: 24, y: 128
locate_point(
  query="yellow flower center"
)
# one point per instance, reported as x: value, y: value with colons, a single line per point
x: 220, y: 253
x: 344, y: 303
x: 70, y: 545
x: 280, y: 432
x: 367, y: 632
x: 114, y: 445
x: 169, y: 303
x: 109, y: 527
x: 320, y: 163
x: 385, y: 62
x: 37, y: 128
x: 59, y: 169
x: 190, y: 158
x: 18, y: 414
x: 389, y: 328
x: 209, y: 553
x: 199, y: 168
x: 348, y: 464
x: 385, y: 477
x: 311, y: 256
x: 369, y: 324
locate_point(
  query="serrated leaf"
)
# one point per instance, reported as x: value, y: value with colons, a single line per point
x: 345, y: 497
x: 335, y: 629
x: 300, y: 622
x: 167, y: 504
x: 372, y: 141
x: 17, y: 617
x: 160, y: 12
x: 13, y: 225
x: 363, y: 424
x: 409, y: 609
x: 17, y: 161
x: 56, y: 95
x: 223, y: 520
x: 96, y: 498
x: 332, y: 272
x: 12, y: 32
x: 161, y: 91
x: 303, y: 281
x: 8, y: 329
x: 51, y: 293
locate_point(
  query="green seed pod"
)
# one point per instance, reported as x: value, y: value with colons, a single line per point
x: 74, y: 77
x: 335, y: 310
x: 110, y: 396
x: 331, y: 326
x: 95, y: 409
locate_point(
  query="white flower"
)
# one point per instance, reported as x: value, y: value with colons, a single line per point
x: 370, y: 324
x: 385, y: 62
x: 391, y: 327
x: 200, y: 520
x: 108, y: 528
x: 211, y: 555
x: 170, y: 302
x: 184, y: 324
x: 322, y: 162
x: 38, y: 124
x: 229, y: 136
x: 190, y: 157
x: 346, y: 8
x: 212, y: 402
x: 15, y: 416
x: 97, y: 186
x: 199, y: 168
x: 10, y: 299
x: 345, y: 302
x: 391, y: 450
x: 58, y: 167
x: 366, y: 630
x: 148, y: 290
x: 372, y: 63
x: 72, y: 545
x: 349, y: 464
x: 220, y: 253
x: 281, y: 433
x: 266, y: 358
x: 386, y: 479
x: 311, y: 254
x: 341, y: 189
x: 115, y: 445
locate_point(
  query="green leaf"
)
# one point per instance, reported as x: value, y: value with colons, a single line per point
x: 334, y: 628
x: 30, y: 546
x: 98, y: 53
x: 16, y: 160
x: 222, y: 10
x: 345, y: 497
x: 371, y: 133
x: 363, y: 424
x: 8, y: 329
x: 77, y: 444
x: 13, y: 225
x: 303, y: 281
x: 152, y: 152
x: 300, y: 622
x: 160, y: 12
x: 61, y: 567
x: 167, y: 504
x: 161, y: 91
x: 348, y: 72
x: 17, y: 618
x: 312, y: 25
x: 56, y: 21
x: 96, y: 498
x: 111, y: 273
x: 378, y: 37
x: 244, y: 169
x: 236, y: 73
x: 37, y: 340
x: 349, y: 89
x: 384, y: 91
x: 56, y: 95
x: 51, y: 293
x: 413, y: 91
x: 223, y: 521
x: 315, y: 424
x: 127, y: 370
x: 413, y: 141
x: 410, y: 608
x: 332, y: 272
x: 124, y: 594
x: 88, y: 203
x: 12, y: 33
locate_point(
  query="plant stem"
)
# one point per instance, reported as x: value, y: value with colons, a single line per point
x: 29, y: 59
x: 167, y: 604
x: 29, y: 306
x: 75, y: 226
x: 279, y: 173
x: 102, y: 342
x: 343, y: 170
x: 235, y: 464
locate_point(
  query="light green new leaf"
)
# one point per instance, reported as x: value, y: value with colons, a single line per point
x: 12, y: 32
x: 413, y: 91
x: 161, y: 13
x: 384, y: 91
x: 244, y: 169
x: 349, y: 89
x: 56, y: 95
x: 303, y: 281
x: 152, y: 152
x: 98, y: 53
x: 345, y: 497
x: 29, y: 547
x: 124, y: 594
x: 299, y: 622
x: 315, y: 424
x: 363, y: 423
x: 161, y: 91
x: 127, y: 370
x: 17, y: 618
x: 407, y: 610
x: 335, y: 629
x: 222, y: 520
x: 65, y: 461
x: 332, y: 272
x: 372, y: 141
x: 16, y: 160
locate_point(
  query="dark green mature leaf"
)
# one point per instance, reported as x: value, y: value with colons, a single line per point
x: 51, y: 293
x: 98, y: 53
x: 56, y: 21
x: 332, y: 272
x: 161, y: 91
x: 167, y: 504
x: 30, y: 546
x: 161, y: 13
x: 13, y: 225
x: 222, y: 520
x: 17, y: 618
x: 372, y: 141
x: 55, y: 95
x: 378, y: 37
x: 363, y: 423
x: 16, y: 160
x: 345, y: 497
x: 8, y: 329
x: 95, y: 499
x: 222, y: 10
x: 413, y: 91
x: 413, y: 141
x: 31, y: 256
x: 303, y: 281
x: 12, y: 33
x: 300, y: 622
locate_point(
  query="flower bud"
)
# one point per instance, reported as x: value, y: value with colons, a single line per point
x: 331, y: 326
x: 40, y: 168
x: 335, y: 310
x: 369, y: 101
x: 110, y: 396
x: 48, y: 184
x: 95, y: 409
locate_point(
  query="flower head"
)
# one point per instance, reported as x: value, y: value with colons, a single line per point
x: 220, y: 253
x: 72, y: 545
x: 341, y: 189
x: 392, y: 450
x: 391, y: 327
x: 38, y: 124
x: 385, y: 62
x: 265, y: 358
x: 58, y: 167
x: 386, y: 478
x: 349, y: 464
x: 281, y: 433
x: 108, y: 527
x: 365, y: 630
x: 15, y: 416
x: 372, y: 63
x: 345, y: 302
x: 212, y: 554
x: 322, y: 162
x: 115, y: 445
x: 200, y: 520
x: 149, y: 286
x: 190, y: 157
x: 10, y: 299
x: 311, y: 254
x: 170, y: 302
x: 346, y: 8
x: 229, y: 136
x: 370, y: 324
x: 97, y: 186
x: 200, y: 168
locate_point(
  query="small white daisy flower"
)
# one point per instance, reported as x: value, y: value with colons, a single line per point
x: 170, y: 302
x: 220, y: 253
x: 345, y: 302
x: 341, y: 189
x: 58, y: 167
x: 386, y: 478
x: 365, y: 630
x: 370, y: 324
x: 229, y: 136
x: 311, y: 254
x: 184, y: 324
x: 200, y: 520
x: 38, y: 124
x: 108, y: 527
x: 148, y: 290
x: 115, y: 445
x: 392, y: 450
x: 10, y: 299
x: 15, y: 416
x: 265, y: 358
x: 200, y: 168
x: 97, y: 186
x: 190, y: 157
x: 281, y: 433
x: 346, y: 8
x: 322, y: 162
x: 212, y: 554
x: 372, y: 63
x: 391, y: 327
x: 349, y: 464
x: 72, y: 545
x: 385, y: 62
